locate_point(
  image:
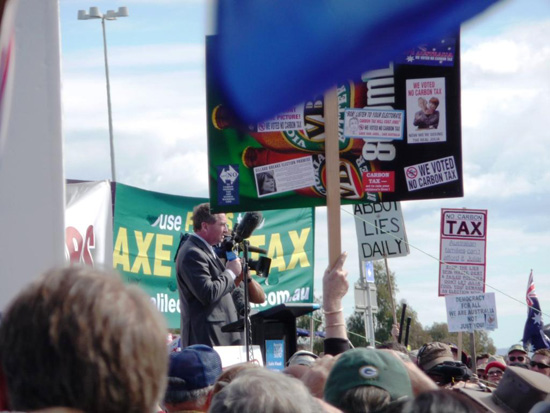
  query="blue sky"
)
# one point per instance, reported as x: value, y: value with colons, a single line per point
x: 156, y: 63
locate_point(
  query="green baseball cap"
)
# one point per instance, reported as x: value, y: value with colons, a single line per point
x: 367, y: 367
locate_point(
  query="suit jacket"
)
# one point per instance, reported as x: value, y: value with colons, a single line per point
x: 205, y: 295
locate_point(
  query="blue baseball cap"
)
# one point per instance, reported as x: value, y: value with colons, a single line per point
x: 195, y: 367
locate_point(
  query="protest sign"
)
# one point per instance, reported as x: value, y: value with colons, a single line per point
x: 463, y: 246
x: 387, y: 150
x: 471, y: 312
x: 380, y: 231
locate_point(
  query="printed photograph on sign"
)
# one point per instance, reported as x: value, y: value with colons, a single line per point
x: 374, y: 124
x: 427, y: 174
x: 426, y: 114
x: 284, y: 176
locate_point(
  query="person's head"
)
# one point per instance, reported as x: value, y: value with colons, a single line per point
x: 366, y: 377
x: 518, y: 391
x: 437, y: 361
x: 229, y: 374
x: 540, y: 361
x: 432, y: 354
x: 211, y: 227
x: 494, y: 371
x: 482, y: 359
x: 80, y: 338
x: 480, y: 371
x: 191, y: 376
x: 441, y: 401
x: 393, y: 345
x: 302, y: 358
x: 266, y: 183
x: 517, y: 353
x: 261, y: 390
x: 422, y: 103
x: 433, y: 103
x: 353, y: 122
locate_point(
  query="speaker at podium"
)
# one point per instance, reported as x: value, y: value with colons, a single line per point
x: 274, y: 330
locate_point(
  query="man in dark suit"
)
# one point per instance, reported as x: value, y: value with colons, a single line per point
x: 205, y: 284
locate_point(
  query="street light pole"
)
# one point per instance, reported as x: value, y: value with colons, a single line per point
x: 94, y: 13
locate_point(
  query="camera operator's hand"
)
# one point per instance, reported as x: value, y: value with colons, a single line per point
x: 237, y: 269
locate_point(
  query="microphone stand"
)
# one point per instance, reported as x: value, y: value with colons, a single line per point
x: 247, y: 329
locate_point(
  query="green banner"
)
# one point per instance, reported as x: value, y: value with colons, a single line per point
x: 147, y: 228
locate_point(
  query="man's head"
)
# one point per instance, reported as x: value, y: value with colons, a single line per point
x: 437, y: 361
x: 517, y: 353
x: 191, y: 375
x: 366, y: 377
x: 540, y: 361
x: 482, y: 359
x: 211, y: 227
x: 261, y: 390
x: 80, y: 338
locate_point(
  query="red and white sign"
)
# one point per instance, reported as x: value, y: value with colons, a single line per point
x: 462, y: 253
x: 379, y: 181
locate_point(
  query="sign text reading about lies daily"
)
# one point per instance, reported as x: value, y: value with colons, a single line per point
x: 380, y: 230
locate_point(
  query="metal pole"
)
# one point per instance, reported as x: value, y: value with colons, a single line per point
x: 111, y: 141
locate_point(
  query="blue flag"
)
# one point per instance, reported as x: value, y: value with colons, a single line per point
x: 272, y: 54
x: 533, y: 334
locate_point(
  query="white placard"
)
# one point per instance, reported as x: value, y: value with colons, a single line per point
x: 374, y: 124
x: 284, y: 176
x: 463, y: 247
x: 380, y: 230
x: 471, y: 312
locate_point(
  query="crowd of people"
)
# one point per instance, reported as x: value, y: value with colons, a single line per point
x: 80, y: 340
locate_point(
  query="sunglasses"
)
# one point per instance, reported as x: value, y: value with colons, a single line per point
x: 539, y: 365
x: 521, y: 359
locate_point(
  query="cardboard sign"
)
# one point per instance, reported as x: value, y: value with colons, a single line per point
x: 471, y: 312
x: 462, y: 251
x: 380, y: 231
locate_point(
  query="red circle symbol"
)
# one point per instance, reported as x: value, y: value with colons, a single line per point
x: 411, y: 172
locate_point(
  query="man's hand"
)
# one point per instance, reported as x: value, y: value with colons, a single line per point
x: 237, y: 269
x: 335, y: 284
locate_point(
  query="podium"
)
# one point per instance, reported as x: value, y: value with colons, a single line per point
x: 275, y: 323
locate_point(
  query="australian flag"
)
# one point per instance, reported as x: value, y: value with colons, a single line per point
x: 533, y: 334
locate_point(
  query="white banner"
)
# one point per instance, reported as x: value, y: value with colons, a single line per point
x: 89, y: 224
x: 471, y: 312
x: 380, y: 231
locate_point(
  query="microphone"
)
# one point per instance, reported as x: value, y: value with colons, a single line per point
x: 248, y: 224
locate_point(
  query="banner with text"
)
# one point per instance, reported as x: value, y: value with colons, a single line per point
x: 380, y: 231
x: 399, y: 135
x: 147, y: 231
x: 463, y: 246
x: 471, y: 312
